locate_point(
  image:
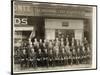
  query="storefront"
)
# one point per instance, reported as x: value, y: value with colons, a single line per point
x: 70, y: 27
x: 48, y: 21
x: 49, y: 35
x: 22, y: 30
x: 27, y: 27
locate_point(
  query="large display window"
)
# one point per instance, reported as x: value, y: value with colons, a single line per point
x: 64, y: 33
x: 21, y: 36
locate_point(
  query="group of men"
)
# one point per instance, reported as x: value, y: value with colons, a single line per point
x: 58, y: 52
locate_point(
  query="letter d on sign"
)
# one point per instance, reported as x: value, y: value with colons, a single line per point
x: 17, y: 21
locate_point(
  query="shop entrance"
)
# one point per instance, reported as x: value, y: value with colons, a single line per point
x: 39, y: 28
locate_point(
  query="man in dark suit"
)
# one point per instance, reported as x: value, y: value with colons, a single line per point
x: 56, y: 54
x: 51, y: 57
x: 45, y: 57
x: 23, y: 57
x: 32, y: 58
x: 39, y: 58
x: 78, y: 55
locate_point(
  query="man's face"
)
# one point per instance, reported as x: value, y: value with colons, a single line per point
x: 35, y: 39
x: 72, y: 44
x: 32, y: 50
x: 40, y: 40
x: 39, y: 50
x: 61, y: 39
x: 56, y: 39
x: 46, y: 50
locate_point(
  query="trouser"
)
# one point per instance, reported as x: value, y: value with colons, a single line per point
x: 23, y: 63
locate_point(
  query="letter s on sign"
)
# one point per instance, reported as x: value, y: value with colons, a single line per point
x: 24, y: 21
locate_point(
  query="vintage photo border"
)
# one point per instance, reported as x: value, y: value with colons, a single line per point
x: 12, y: 14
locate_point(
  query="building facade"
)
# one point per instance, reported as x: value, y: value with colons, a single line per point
x: 50, y: 20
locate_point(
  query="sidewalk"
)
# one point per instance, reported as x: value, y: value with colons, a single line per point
x: 17, y: 68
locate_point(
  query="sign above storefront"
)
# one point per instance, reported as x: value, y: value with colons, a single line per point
x: 26, y: 20
x: 65, y: 24
x: 52, y: 11
x: 20, y: 21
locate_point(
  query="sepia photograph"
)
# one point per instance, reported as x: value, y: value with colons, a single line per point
x: 52, y: 37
